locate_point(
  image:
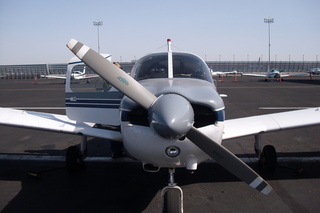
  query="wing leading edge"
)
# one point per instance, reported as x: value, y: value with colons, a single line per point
x: 253, y: 125
x: 267, y: 76
x: 54, y: 76
x: 255, y: 75
x: 54, y: 123
x: 234, y: 128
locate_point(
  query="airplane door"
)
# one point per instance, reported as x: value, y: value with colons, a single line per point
x: 91, y: 99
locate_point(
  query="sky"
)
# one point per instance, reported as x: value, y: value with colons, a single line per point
x: 37, y: 31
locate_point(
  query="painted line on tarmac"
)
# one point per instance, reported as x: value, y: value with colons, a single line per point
x: 284, y: 108
x: 129, y: 160
x: 269, y: 87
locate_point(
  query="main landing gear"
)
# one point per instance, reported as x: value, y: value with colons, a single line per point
x: 267, y: 156
x: 172, y: 196
x: 75, y: 156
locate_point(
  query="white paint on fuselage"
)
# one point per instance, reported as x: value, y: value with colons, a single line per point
x: 145, y: 145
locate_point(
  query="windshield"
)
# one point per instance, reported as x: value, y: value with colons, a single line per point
x: 185, y: 65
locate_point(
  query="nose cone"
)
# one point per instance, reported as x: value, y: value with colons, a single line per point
x: 171, y: 116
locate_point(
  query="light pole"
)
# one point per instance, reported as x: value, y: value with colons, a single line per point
x: 98, y: 23
x: 269, y: 20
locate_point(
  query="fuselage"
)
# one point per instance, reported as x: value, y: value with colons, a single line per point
x: 191, y: 81
x: 274, y: 73
x: 78, y: 75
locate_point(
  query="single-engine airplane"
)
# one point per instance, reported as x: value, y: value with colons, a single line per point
x: 168, y: 114
x: 79, y: 74
x: 273, y: 73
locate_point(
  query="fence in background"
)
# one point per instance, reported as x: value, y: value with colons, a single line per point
x: 35, y: 70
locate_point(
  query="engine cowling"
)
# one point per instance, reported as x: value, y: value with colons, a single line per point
x: 156, y: 141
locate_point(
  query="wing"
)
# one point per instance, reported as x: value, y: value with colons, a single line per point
x: 88, y: 76
x: 54, y: 76
x: 53, y: 122
x: 230, y: 72
x: 271, y: 122
x: 223, y: 73
x: 298, y: 74
x: 254, y: 75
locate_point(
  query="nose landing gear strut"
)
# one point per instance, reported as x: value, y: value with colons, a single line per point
x: 172, y: 196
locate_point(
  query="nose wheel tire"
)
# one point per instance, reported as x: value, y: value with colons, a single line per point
x: 74, y: 161
x: 172, y: 199
x: 268, y: 158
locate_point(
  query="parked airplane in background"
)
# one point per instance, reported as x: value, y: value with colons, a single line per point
x: 168, y: 115
x: 79, y: 74
x: 273, y: 73
x: 314, y: 71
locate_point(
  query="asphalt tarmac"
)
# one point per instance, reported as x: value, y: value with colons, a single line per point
x: 122, y: 185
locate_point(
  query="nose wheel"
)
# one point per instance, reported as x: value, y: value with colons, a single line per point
x: 172, y: 196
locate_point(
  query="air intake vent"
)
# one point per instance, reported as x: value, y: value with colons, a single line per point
x: 203, y: 116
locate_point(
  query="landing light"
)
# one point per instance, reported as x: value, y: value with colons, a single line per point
x: 172, y: 151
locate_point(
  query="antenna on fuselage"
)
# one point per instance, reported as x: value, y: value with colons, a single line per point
x: 170, y: 67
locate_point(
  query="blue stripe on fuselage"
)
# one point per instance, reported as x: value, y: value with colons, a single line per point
x: 93, y: 103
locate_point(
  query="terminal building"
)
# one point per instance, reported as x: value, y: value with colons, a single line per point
x: 36, y: 70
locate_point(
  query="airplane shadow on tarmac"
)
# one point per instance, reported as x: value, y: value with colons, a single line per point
x: 314, y: 81
x: 99, y: 188
x: 116, y: 187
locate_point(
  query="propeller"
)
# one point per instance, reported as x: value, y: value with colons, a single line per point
x: 161, y: 120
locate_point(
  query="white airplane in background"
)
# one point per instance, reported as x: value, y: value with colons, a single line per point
x: 76, y: 74
x: 314, y: 71
x: 273, y: 73
x: 168, y: 115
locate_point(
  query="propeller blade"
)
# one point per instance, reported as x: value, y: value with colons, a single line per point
x: 228, y: 160
x: 112, y: 74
